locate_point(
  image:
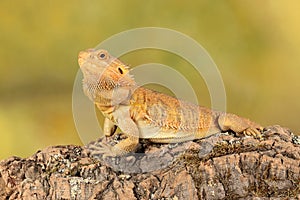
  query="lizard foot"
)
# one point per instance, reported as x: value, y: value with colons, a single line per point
x: 252, y: 132
x: 105, y: 150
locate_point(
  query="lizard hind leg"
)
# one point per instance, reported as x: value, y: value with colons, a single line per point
x: 239, y: 125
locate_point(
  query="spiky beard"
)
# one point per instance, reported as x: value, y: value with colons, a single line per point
x: 108, y: 92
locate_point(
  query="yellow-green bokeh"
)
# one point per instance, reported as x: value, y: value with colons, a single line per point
x: 255, y: 44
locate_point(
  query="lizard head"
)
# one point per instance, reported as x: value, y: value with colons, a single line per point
x: 104, y: 74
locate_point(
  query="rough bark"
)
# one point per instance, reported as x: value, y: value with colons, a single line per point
x: 218, y: 167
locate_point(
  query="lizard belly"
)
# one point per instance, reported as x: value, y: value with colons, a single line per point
x: 148, y: 131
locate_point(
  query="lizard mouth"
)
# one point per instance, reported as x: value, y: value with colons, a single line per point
x: 83, y: 55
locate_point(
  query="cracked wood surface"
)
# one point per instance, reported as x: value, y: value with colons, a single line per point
x: 221, y: 166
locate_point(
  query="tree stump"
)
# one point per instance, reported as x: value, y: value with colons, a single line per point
x: 221, y: 166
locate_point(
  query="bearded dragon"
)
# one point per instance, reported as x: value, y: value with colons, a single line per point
x: 144, y: 113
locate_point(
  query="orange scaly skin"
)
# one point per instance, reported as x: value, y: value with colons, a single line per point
x: 143, y: 113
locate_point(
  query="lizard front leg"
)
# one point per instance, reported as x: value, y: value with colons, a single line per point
x: 128, y: 128
x: 109, y: 127
x: 239, y: 125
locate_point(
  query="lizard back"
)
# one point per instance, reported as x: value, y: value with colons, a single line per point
x: 169, y: 113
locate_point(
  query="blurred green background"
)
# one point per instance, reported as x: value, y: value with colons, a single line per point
x: 254, y: 43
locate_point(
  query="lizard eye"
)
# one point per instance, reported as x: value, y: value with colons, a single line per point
x: 120, y: 70
x: 102, y: 56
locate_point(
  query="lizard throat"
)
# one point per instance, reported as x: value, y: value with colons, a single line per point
x: 107, y: 93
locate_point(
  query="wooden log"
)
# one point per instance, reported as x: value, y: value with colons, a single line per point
x: 221, y: 166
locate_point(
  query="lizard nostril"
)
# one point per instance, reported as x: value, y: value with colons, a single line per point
x: 83, y: 54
